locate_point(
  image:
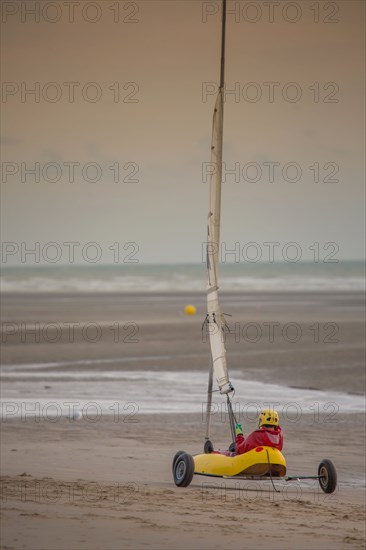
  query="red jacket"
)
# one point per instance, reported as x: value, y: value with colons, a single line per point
x: 268, y: 437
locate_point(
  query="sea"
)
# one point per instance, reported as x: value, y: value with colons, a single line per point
x: 154, y: 278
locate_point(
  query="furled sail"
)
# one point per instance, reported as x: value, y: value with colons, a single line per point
x: 215, y: 321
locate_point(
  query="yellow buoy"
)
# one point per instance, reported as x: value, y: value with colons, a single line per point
x: 190, y: 310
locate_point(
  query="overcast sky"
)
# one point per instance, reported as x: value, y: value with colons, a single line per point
x: 140, y: 96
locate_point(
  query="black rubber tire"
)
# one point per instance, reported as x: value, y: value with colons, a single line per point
x: 208, y: 447
x: 232, y: 447
x: 183, y: 470
x: 328, y: 473
x: 177, y: 455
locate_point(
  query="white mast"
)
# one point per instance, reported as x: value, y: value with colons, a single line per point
x: 215, y: 320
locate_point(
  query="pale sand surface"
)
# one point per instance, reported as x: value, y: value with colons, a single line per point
x: 108, y: 485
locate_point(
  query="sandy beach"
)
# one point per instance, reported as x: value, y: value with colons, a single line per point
x: 106, y: 483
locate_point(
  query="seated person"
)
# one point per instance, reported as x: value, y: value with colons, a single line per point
x: 268, y: 434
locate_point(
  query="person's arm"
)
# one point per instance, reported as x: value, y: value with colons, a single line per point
x: 281, y: 440
x: 239, y: 439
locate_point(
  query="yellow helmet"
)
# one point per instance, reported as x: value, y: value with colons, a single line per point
x: 268, y: 417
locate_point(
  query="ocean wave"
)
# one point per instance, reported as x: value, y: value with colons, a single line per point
x: 136, y: 283
x: 160, y: 392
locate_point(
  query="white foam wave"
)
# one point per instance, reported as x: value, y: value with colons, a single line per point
x: 178, y: 284
x: 159, y: 392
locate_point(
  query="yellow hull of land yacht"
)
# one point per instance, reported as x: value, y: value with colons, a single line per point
x: 260, y: 461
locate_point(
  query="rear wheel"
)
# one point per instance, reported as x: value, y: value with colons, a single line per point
x: 328, y: 476
x: 183, y: 470
x: 232, y: 447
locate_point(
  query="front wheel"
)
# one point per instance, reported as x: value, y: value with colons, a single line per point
x: 183, y: 470
x: 208, y: 447
x: 176, y: 456
x: 327, y: 476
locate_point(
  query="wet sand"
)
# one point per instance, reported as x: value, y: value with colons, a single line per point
x: 108, y: 484
x: 304, y: 339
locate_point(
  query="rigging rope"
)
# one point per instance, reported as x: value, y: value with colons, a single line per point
x: 270, y: 473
